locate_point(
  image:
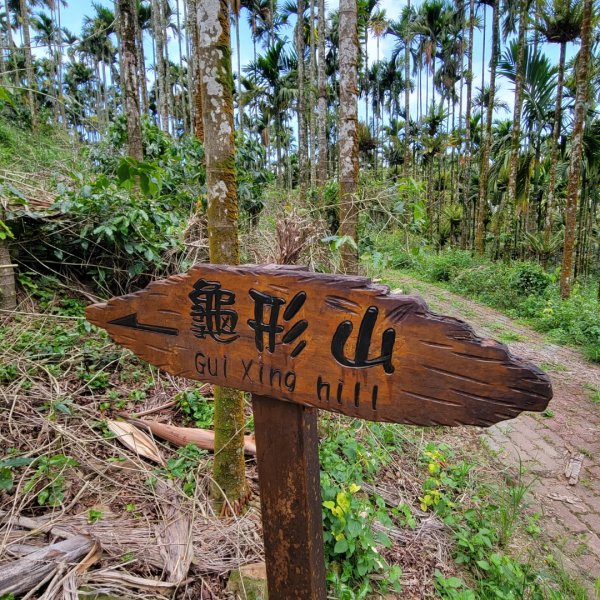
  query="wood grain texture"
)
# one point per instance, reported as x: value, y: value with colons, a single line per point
x: 339, y: 343
x: 290, y: 499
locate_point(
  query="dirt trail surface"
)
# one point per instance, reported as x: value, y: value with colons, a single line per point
x: 549, y: 447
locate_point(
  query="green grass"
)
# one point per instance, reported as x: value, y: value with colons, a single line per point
x: 522, y: 290
x: 47, y: 152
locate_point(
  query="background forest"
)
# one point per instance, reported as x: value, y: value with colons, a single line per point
x: 448, y: 142
x: 444, y: 164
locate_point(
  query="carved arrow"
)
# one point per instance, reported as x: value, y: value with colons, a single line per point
x: 131, y: 321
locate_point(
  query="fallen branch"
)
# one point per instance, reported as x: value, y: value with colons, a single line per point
x: 182, y: 436
x: 26, y: 573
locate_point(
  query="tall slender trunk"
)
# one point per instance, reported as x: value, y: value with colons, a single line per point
x: 192, y: 66
x: 483, y: 47
x: 518, y: 108
x: 238, y: 52
x: 467, y: 164
x: 574, y: 184
x: 180, y: 83
x: 366, y: 72
x: 127, y: 15
x: 554, y: 146
x: 31, y: 81
x: 221, y: 189
x: 407, y: 44
x: 139, y: 34
x: 168, y: 84
x: 11, y: 45
x: 312, y: 98
x: 348, y: 131
x: 3, y: 73
x: 301, y: 103
x: 322, y: 83
x: 160, y: 67
x: 487, y: 137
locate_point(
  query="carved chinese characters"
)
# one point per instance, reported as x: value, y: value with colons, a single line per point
x: 332, y: 342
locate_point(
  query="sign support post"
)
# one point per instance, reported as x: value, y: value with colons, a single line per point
x: 290, y: 496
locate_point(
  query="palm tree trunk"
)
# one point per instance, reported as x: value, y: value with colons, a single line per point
x: 348, y: 132
x: 487, y: 137
x: 312, y: 99
x: 126, y: 11
x: 61, y: 101
x: 11, y: 45
x: 214, y: 53
x: 31, y: 82
x: 466, y: 237
x: 301, y: 103
x: 554, y: 145
x: 238, y: 51
x: 160, y: 67
x: 3, y: 74
x: 142, y: 65
x: 322, y: 83
x: 407, y: 43
x: 184, y: 114
x: 168, y: 84
x: 518, y: 108
x: 194, y: 89
x: 574, y: 184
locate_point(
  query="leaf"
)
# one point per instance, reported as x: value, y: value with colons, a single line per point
x: 6, y: 480
x: 340, y: 547
x: 123, y: 172
x: 134, y: 439
x: 17, y: 461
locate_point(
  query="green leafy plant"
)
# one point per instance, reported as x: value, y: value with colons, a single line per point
x: 183, y: 467
x: 49, y: 478
x: 196, y: 408
x: 349, y: 516
x: 6, y: 470
x: 94, y: 515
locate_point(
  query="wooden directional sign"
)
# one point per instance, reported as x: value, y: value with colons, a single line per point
x: 332, y: 342
x: 300, y: 341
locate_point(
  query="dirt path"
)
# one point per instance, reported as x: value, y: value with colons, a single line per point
x: 546, y: 445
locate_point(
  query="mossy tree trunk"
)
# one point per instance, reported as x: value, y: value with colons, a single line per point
x: 574, y: 183
x: 214, y: 53
x: 348, y: 141
x: 127, y: 16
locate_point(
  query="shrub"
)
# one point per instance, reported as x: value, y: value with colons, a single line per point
x: 529, y: 278
x: 448, y: 264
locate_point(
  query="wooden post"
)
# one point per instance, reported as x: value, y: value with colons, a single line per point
x: 290, y: 496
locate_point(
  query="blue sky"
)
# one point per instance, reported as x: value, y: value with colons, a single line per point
x: 73, y: 15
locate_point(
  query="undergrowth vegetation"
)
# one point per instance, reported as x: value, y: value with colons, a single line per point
x: 523, y: 290
x: 386, y: 489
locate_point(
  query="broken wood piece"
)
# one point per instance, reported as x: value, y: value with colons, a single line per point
x: 182, y: 436
x: 134, y: 439
x: 174, y: 534
x: 24, y: 574
x: 121, y: 578
x: 574, y: 468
